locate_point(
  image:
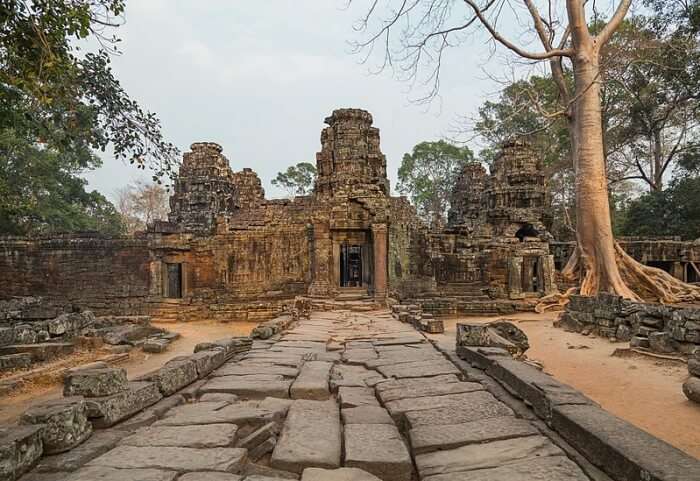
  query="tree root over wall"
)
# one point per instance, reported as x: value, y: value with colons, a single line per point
x: 638, y: 282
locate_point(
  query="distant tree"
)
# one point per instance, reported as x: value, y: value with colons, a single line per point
x: 141, y: 203
x: 428, y: 174
x: 297, y: 179
x: 673, y: 211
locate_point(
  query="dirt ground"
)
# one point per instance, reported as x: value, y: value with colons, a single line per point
x: 642, y: 390
x: 139, y: 363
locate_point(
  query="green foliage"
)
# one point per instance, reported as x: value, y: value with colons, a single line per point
x: 428, y: 174
x: 297, y: 179
x: 57, y: 106
x: 674, y: 211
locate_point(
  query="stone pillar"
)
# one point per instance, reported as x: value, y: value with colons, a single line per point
x: 678, y: 271
x: 320, y: 266
x: 515, y: 273
x: 379, y: 236
x: 547, y: 273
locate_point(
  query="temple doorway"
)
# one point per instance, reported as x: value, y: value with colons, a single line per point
x: 351, y: 265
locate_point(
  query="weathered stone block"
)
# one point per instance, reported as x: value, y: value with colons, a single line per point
x: 95, y: 382
x: 207, y: 361
x: 20, y: 449
x: 173, y: 376
x: 691, y: 389
x: 109, y: 410
x: 65, y: 423
x: 15, y: 361
x: 661, y: 342
x: 39, y: 352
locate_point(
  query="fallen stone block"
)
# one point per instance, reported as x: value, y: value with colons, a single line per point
x: 432, y: 326
x: 155, y: 345
x: 310, y: 437
x: 262, y: 449
x: 20, y: 449
x: 65, y: 423
x: 95, y: 382
x: 174, y: 459
x: 173, y: 376
x: 230, y: 345
x: 378, y: 449
x: 207, y: 361
x: 691, y: 389
x: 503, y: 334
x: 208, y: 436
x: 312, y: 382
x: 109, y: 410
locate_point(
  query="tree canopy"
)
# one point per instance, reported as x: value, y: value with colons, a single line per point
x: 428, y: 174
x: 59, y: 105
x: 297, y: 179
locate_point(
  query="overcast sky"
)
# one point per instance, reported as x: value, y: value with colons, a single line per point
x: 259, y: 77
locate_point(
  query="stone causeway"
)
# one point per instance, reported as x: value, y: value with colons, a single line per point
x: 361, y: 396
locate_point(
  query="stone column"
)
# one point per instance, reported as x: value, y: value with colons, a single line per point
x: 380, y: 248
x: 320, y: 265
x: 515, y: 276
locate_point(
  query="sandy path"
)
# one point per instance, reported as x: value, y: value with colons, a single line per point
x: 642, y: 390
x: 139, y: 363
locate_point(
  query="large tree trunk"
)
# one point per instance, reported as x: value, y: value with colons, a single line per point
x: 598, y: 262
x: 596, y: 245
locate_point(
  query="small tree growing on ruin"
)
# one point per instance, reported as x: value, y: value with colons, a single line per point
x: 427, y: 28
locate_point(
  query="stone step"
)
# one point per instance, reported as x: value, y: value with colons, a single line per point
x: 310, y: 438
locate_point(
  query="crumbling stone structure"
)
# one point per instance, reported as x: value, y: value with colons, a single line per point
x: 227, y: 253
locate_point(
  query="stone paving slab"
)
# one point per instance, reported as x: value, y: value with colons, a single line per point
x: 429, y: 438
x: 312, y: 382
x: 209, y: 476
x: 250, y: 412
x: 341, y: 474
x: 552, y: 468
x: 351, y: 397
x: 398, y: 408
x: 98, y: 444
x: 482, y: 406
x: 366, y: 415
x: 483, y: 456
x: 429, y: 389
x: 415, y: 383
x: 378, y: 449
x: 251, y: 387
x: 197, y: 436
x: 419, y: 369
x: 98, y: 473
x: 245, y: 369
x: 174, y: 459
x: 310, y: 437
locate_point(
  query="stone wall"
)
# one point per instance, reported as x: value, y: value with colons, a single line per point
x: 657, y: 327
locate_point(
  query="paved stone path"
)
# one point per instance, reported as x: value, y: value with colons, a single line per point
x: 342, y: 396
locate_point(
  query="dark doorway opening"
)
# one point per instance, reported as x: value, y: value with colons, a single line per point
x: 173, y: 286
x: 663, y: 265
x: 531, y: 274
x: 350, y: 265
x: 526, y: 230
x: 692, y: 272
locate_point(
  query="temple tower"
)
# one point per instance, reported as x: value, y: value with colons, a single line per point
x: 350, y: 163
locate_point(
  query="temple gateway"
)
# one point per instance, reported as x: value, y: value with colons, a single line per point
x: 228, y: 253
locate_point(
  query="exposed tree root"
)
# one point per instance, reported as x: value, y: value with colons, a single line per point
x: 638, y: 282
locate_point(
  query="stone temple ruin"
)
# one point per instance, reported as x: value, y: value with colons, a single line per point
x: 227, y: 253
x: 318, y: 395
